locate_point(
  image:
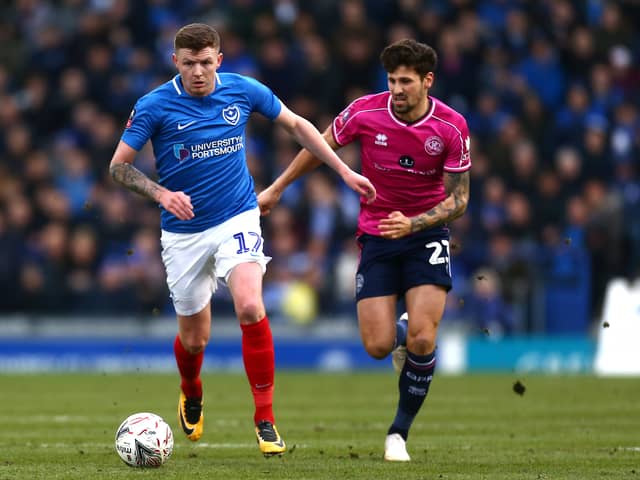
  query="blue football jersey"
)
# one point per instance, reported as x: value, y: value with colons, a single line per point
x: 199, y: 145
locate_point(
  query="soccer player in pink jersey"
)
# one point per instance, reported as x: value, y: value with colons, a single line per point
x: 415, y: 151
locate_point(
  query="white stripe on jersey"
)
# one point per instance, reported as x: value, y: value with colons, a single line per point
x: 405, y: 124
x: 175, y: 85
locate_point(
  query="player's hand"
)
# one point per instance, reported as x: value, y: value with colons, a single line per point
x: 396, y: 225
x: 360, y: 184
x: 178, y: 203
x: 267, y: 199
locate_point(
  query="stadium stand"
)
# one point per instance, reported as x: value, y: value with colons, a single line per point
x: 551, y: 90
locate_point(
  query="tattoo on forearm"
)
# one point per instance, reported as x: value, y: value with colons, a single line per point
x: 457, y: 189
x: 136, y: 181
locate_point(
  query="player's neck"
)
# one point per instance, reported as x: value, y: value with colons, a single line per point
x: 416, y: 113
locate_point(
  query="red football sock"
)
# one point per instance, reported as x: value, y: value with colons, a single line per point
x: 189, y: 366
x: 259, y: 363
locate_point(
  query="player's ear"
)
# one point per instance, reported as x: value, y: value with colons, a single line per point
x: 428, y: 79
x: 219, y: 59
x: 175, y: 59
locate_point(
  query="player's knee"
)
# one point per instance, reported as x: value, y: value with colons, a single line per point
x: 250, y: 310
x: 421, y: 344
x: 377, y: 349
x: 195, y: 345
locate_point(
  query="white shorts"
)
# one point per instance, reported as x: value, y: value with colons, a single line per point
x: 194, y: 261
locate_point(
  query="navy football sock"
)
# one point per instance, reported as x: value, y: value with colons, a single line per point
x: 413, y: 385
x: 401, y: 332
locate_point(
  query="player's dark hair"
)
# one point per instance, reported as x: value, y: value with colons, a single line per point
x: 409, y: 53
x: 197, y: 36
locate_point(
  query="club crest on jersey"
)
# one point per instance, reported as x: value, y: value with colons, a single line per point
x: 434, y: 145
x: 231, y: 114
x: 180, y: 152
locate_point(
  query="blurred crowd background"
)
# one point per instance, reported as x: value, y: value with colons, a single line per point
x: 550, y: 90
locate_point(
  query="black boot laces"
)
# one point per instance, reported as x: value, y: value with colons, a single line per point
x: 193, y: 409
x: 267, y: 433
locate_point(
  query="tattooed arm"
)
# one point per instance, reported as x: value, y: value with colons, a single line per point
x: 124, y: 173
x: 456, y: 186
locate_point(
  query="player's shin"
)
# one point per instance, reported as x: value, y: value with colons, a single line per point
x: 189, y: 366
x: 413, y: 386
x: 190, y: 402
x: 259, y: 364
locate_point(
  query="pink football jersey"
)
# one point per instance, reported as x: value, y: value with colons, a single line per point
x: 404, y: 161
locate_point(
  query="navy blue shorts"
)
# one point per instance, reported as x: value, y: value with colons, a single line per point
x: 390, y: 267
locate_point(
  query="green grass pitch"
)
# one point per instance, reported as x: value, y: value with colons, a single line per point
x: 471, y: 427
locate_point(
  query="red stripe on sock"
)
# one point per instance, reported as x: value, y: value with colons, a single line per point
x: 259, y: 363
x: 189, y: 366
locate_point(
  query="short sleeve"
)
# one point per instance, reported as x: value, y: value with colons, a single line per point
x: 458, y: 158
x: 140, y: 125
x: 345, y: 125
x: 262, y: 98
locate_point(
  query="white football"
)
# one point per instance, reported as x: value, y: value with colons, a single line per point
x: 144, y: 440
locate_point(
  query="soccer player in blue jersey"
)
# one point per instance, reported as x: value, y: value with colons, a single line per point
x: 209, y: 213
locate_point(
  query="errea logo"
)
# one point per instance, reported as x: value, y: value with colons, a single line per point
x: 381, y: 139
